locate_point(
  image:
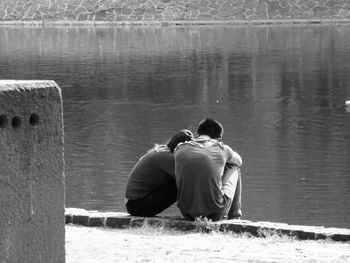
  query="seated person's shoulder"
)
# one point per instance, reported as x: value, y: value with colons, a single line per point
x: 184, y: 145
x: 158, y: 151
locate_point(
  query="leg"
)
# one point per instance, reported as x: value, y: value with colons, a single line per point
x: 235, y: 210
x: 229, y: 181
x: 232, y: 186
x: 155, y: 202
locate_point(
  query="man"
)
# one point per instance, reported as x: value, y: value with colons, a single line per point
x: 151, y: 186
x: 207, y: 172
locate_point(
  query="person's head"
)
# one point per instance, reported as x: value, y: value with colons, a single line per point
x: 211, y: 128
x: 180, y: 136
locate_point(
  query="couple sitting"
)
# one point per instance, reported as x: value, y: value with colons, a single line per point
x: 201, y: 173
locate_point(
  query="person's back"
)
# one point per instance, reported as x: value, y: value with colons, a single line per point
x: 151, y: 186
x: 199, y: 170
x: 199, y: 173
x: 153, y: 170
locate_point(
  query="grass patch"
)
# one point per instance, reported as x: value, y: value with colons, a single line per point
x: 205, y: 225
x: 157, y: 228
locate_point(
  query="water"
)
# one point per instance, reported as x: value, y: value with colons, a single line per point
x: 279, y: 91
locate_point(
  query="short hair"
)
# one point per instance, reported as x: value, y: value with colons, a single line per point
x: 211, y: 128
x: 180, y: 136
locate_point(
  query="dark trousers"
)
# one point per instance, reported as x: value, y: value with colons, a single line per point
x: 155, y: 202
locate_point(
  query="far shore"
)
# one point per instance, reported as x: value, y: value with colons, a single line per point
x: 29, y: 23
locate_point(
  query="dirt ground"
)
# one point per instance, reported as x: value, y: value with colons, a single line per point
x: 91, y: 244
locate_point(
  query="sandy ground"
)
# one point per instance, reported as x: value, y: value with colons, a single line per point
x: 88, y: 244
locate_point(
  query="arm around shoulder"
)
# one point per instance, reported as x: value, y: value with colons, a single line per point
x: 233, y: 157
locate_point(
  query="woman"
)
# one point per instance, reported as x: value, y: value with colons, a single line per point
x: 151, y: 186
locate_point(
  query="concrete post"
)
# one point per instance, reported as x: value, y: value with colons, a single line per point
x: 32, y: 222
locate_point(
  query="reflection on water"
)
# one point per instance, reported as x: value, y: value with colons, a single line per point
x: 278, y: 90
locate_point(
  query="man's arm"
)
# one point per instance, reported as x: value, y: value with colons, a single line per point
x: 233, y: 158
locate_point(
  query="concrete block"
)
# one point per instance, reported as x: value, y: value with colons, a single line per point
x: 305, y: 235
x: 96, y: 221
x: 153, y: 221
x: 181, y: 225
x: 69, y: 219
x: 137, y: 221
x: 81, y: 220
x: 118, y: 222
x: 231, y: 227
x: 340, y: 237
x: 32, y: 217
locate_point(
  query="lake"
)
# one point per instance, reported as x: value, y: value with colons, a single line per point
x: 278, y: 90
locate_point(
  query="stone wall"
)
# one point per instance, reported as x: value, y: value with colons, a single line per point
x: 172, y: 10
x: 31, y: 172
x: 124, y: 220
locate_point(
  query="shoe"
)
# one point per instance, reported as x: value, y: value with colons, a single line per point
x: 237, y: 214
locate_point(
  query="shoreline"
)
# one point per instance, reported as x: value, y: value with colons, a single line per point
x: 175, y: 22
x: 77, y: 216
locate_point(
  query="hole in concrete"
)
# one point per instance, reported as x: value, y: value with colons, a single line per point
x: 3, y: 121
x: 16, y: 122
x: 34, y: 119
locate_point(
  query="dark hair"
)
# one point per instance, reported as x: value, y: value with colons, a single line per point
x: 180, y: 136
x: 211, y: 128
